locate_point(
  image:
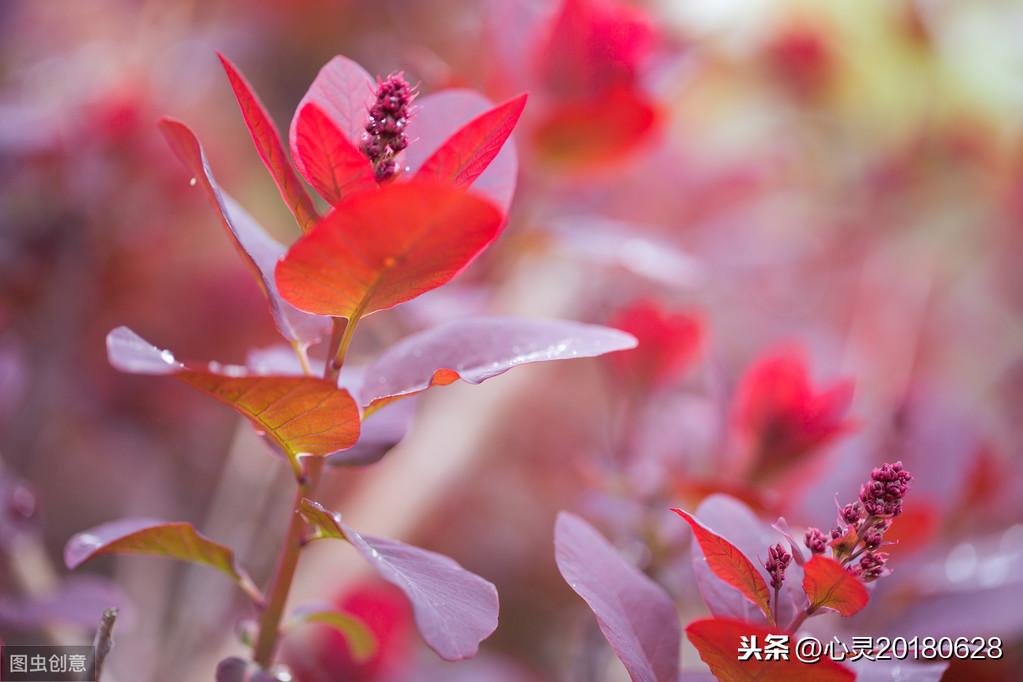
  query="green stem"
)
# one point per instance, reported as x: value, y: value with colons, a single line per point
x: 284, y: 573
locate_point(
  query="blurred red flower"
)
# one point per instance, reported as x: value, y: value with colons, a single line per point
x: 669, y: 342
x: 781, y: 417
x: 321, y: 654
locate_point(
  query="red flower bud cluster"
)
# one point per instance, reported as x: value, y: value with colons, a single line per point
x: 385, y: 131
x: 777, y: 561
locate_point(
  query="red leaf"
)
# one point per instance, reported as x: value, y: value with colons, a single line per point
x: 271, y: 151
x: 344, y: 92
x: 378, y: 249
x: 303, y: 415
x: 328, y: 159
x: 718, y: 642
x: 260, y: 251
x: 467, y: 153
x: 729, y: 564
x: 595, y: 133
x: 829, y: 585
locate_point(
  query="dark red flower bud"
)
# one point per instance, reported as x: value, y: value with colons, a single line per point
x: 777, y: 561
x: 816, y: 541
x: 872, y: 566
x: 882, y: 494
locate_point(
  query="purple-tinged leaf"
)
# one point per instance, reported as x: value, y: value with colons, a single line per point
x: 271, y: 151
x: 303, y: 415
x: 175, y: 540
x: 636, y: 616
x: 259, y: 250
x: 438, y: 117
x: 477, y: 349
x: 344, y: 92
x: 454, y: 609
x: 79, y: 601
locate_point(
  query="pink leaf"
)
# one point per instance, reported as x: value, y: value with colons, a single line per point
x: 636, y: 616
x: 479, y: 348
x: 454, y: 609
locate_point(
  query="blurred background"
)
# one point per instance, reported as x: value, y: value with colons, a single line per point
x: 828, y: 187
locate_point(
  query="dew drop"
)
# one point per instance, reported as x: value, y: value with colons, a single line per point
x: 167, y: 357
x: 193, y: 182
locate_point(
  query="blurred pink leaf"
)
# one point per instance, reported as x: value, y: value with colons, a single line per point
x: 260, y: 251
x: 636, y: 616
x: 440, y: 116
x: 271, y: 151
x: 175, y: 540
x: 479, y: 348
x: 79, y: 600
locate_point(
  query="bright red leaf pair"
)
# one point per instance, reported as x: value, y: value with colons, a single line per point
x: 826, y: 583
x: 329, y: 125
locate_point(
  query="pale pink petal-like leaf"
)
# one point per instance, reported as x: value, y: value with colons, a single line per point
x: 479, y: 348
x: 260, y: 251
x: 438, y: 117
x: 454, y: 609
x: 344, y: 91
x: 636, y: 616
